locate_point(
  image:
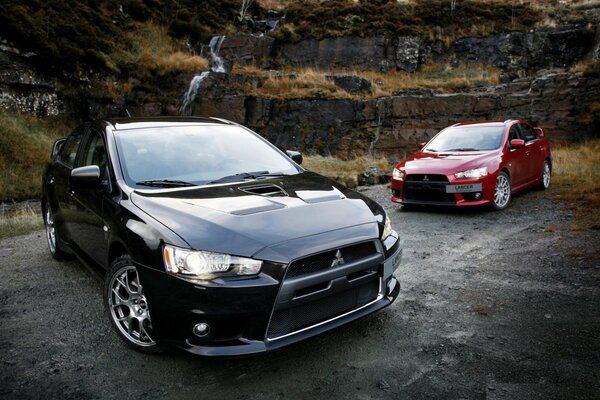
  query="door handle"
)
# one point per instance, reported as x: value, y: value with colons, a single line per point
x: 51, y: 180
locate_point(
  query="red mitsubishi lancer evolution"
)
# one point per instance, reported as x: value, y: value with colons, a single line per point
x: 474, y: 164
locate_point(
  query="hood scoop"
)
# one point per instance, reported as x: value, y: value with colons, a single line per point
x: 267, y: 190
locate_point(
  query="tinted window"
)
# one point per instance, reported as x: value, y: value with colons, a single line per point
x: 467, y: 138
x: 197, y: 154
x: 68, y: 152
x: 515, y: 133
x: 528, y: 133
x: 94, y: 153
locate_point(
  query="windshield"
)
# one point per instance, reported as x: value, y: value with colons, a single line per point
x: 467, y: 138
x: 196, y: 155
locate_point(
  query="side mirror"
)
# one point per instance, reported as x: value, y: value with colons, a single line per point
x: 87, y: 177
x: 296, y: 156
x: 421, y: 145
x: 517, y: 143
x: 57, y: 146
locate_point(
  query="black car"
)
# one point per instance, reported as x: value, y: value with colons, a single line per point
x: 212, y: 239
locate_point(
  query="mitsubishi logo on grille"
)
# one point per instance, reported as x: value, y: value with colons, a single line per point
x: 425, y: 179
x: 338, y: 260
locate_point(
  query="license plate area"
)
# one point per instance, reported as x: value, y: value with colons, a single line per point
x: 391, y: 264
x: 466, y: 188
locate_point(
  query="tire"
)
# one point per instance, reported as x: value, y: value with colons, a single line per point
x: 502, y: 192
x: 546, y: 176
x: 52, y: 236
x: 127, y: 307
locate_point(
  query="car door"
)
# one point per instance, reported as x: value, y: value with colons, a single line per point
x: 59, y: 191
x: 89, y: 229
x: 534, y: 152
x: 517, y: 158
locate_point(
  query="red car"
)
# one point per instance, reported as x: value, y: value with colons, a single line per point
x: 474, y: 164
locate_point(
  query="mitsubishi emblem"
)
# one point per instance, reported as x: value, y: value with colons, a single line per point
x: 338, y: 260
x: 425, y: 179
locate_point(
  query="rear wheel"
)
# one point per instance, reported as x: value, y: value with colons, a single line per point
x: 502, y: 192
x: 52, y: 235
x: 127, y: 306
x: 546, y: 176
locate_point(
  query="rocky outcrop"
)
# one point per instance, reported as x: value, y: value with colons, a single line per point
x: 248, y: 49
x: 564, y: 104
x: 526, y: 51
x: 375, y: 53
x: 23, y: 88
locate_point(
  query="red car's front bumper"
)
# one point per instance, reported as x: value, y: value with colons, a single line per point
x: 436, y: 190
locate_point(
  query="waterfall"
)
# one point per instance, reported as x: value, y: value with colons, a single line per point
x: 216, y: 65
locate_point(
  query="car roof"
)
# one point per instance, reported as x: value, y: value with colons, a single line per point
x: 121, y: 124
x: 487, y: 123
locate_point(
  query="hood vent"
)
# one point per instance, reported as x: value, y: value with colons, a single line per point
x: 267, y: 190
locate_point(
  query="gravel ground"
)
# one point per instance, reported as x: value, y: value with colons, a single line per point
x: 497, y: 305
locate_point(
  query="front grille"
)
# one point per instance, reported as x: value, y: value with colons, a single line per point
x: 427, y: 188
x: 311, y: 313
x: 426, y: 178
x: 324, y: 260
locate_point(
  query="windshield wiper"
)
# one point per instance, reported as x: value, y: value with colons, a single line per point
x: 246, y: 175
x: 462, y: 149
x: 165, y: 183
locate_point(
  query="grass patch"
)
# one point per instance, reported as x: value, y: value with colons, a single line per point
x: 151, y: 47
x: 577, y: 179
x: 345, y: 172
x: 312, y: 83
x: 25, y: 145
x: 20, y: 222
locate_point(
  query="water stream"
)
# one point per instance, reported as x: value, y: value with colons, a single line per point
x: 216, y: 65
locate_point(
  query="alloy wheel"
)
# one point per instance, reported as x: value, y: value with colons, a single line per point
x: 502, y: 192
x: 546, y: 175
x: 128, y: 307
x: 50, y: 230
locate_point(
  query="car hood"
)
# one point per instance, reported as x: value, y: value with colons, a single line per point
x: 243, y: 218
x: 446, y: 163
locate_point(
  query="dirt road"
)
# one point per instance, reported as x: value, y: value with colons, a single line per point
x: 497, y: 305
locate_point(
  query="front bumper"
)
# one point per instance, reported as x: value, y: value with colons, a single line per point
x: 463, y: 193
x: 241, y: 312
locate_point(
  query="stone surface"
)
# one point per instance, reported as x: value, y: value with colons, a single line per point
x: 248, y: 49
x: 526, y: 51
x: 351, y: 83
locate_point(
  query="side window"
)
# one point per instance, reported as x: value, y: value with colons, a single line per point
x: 94, y: 153
x: 68, y: 152
x: 528, y: 133
x: 515, y: 133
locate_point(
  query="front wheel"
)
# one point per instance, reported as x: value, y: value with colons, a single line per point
x: 127, y: 306
x: 502, y: 192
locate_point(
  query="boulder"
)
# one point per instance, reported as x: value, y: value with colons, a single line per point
x: 351, y: 83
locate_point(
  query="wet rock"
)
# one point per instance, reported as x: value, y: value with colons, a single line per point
x: 351, y: 84
x: 247, y: 49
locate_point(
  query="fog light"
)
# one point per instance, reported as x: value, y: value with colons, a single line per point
x: 201, y: 329
x: 477, y: 196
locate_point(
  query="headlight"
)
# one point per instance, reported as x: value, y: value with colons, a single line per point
x: 206, y: 265
x: 387, y: 228
x: 396, y: 173
x: 472, y: 173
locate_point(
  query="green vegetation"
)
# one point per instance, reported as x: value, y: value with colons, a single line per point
x: 346, y: 172
x: 577, y: 177
x: 20, y: 222
x: 68, y: 36
x: 25, y: 145
x: 313, y: 83
x: 333, y: 18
